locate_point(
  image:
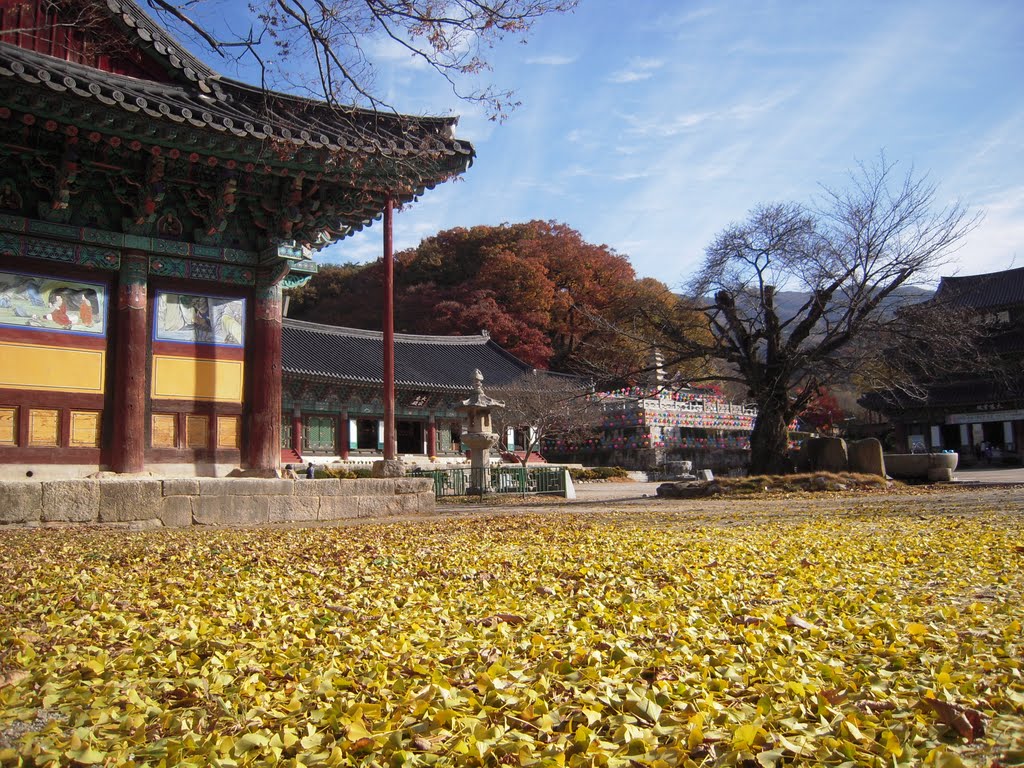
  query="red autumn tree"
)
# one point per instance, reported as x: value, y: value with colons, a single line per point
x: 537, y: 288
x: 823, y: 413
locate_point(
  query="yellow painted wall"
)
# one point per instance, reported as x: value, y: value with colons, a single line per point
x: 186, y: 378
x: 57, y: 369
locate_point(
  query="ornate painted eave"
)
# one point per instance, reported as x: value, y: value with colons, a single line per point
x: 174, y: 151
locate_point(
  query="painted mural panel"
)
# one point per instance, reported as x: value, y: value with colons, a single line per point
x: 193, y: 319
x: 52, y: 304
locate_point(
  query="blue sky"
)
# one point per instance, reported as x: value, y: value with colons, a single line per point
x: 651, y: 125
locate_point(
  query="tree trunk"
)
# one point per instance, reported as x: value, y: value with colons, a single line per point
x: 769, y: 441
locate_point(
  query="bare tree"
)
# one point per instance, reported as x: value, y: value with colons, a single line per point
x: 552, y: 406
x: 852, y: 256
x: 344, y: 40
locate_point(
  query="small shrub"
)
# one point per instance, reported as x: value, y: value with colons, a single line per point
x: 343, y: 473
x: 591, y: 474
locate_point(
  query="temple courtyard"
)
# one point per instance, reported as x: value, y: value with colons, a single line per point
x: 825, y: 629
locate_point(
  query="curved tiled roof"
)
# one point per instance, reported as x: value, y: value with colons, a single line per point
x: 147, y: 34
x: 244, y: 111
x: 443, y: 363
x: 988, y: 291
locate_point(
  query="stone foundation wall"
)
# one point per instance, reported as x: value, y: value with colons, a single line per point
x: 181, y: 502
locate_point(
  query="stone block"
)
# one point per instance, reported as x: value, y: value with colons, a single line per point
x: 388, y: 468
x: 337, y: 507
x: 428, y: 503
x: 380, y: 506
x: 21, y: 502
x: 940, y: 475
x: 911, y: 466
x: 705, y: 475
x: 130, y: 499
x: 151, y: 524
x: 181, y: 486
x: 325, y: 487
x: 370, y: 486
x: 413, y: 485
x: 284, y: 509
x: 865, y: 457
x: 409, y: 504
x: 71, y: 501
x: 245, y: 486
x: 176, y: 511
x: 231, y: 510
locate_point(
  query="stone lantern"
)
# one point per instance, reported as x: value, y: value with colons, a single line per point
x: 477, y: 435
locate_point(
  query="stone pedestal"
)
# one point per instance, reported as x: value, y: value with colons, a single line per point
x: 479, y: 444
x: 388, y: 468
x: 478, y: 437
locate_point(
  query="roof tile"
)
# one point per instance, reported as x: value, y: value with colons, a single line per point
x: 428, y: 362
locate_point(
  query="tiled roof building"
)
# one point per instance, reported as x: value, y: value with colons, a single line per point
x: 151, y: 212
x: 979, y: 415
x: 332, y: 389
x: 432, y: 363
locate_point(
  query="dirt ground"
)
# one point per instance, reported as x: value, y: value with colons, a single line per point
x: 630, y: 498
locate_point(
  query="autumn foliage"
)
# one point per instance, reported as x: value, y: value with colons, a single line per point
x: 823, y: 413
x: 537, y: 288
x: 888, y: 635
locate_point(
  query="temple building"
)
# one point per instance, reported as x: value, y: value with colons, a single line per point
x: 151, y: 212
x: 980, y: 415
x: 333, y: 384
x: 650, y: 427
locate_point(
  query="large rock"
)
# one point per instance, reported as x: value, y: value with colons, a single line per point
x: 689, y: 489
x: 823, y: 454
x: 866, y: 457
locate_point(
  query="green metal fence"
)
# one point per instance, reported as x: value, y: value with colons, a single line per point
x: 479, y: 482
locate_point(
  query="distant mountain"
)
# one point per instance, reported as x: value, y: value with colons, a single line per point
x: 788, y: 303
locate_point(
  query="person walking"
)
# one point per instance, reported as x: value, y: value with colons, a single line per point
x: 310, y: 471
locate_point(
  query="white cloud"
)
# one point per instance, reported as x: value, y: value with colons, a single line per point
x: 638, y: 69
x: 390, y: 51
x: 629, y: 76
x: 998, y: 242
x: 670, y: 126
x: 551, y: 60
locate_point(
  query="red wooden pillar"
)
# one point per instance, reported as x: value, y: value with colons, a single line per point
x: 129, y: 443
x: 297, y: 430
x: 344, y: 437
x: 265, y: 409
x: 389, y: 333
x: 431, y: 436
